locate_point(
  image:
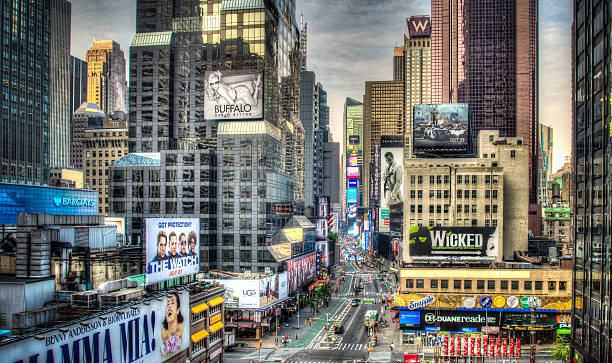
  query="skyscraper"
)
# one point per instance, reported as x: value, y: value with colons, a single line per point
x: 545, y: 160
x: 231, y: 171
x: 591, y: 60
x: 106, y: 76
x: 352, y: 128
x: 399, y: 64
x: 418, y: 71
x: 78, y: 83
x: 59, y: 62
x: 496, y: 75
x: 24, y: 123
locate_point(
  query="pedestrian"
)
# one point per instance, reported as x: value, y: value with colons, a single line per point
x: 391, y: 346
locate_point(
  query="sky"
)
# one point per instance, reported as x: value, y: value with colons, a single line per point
x: 351, y: 41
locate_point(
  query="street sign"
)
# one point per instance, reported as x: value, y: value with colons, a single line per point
x: 485, y: 301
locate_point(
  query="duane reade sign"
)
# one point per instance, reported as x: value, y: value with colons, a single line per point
x: 464, y: 242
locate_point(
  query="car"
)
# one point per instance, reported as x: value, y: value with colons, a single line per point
x: 355, y: 302
x: 339, y: 329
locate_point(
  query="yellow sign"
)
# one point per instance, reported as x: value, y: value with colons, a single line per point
x: 499, y: 302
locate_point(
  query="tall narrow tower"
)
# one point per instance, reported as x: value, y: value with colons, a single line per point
x: 106, y: 76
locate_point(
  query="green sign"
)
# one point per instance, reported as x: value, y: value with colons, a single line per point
x: 564, y: 331
x: 525, y: 302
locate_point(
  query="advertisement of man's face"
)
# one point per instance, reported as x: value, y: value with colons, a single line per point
x: 389, y: 159
x: 183, y: 243
x: 161, y: 245
x: 173, y: 244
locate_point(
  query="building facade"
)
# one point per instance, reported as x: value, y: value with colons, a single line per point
x: 102, y: 146
x: 487, y: 191
x: 78, y: 83
x: 383, y: 114
x: 591, y: 322
x: 331, y: 172
x: 89, y: 115
x: 545, y: 159
x: 310, y: 114
x: 399, y: 64
x: 59, y: 62
x: 106, y: 72
x: 25, y: 120
x: 353, y: 144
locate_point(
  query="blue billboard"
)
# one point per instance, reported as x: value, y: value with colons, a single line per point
x: 351, y: 195
x: 409, y: 317
x: 16, y: 199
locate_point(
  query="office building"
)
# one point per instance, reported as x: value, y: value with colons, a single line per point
x: 417, y: 88
x: 66, y: 178
x: 399, y: 64
x: 487, y: 191
x: 102, y: 146
x: 331, y: 172
x: 106, y: 78
x: 78, y: 83
x: 383, y: 114
x: 353, y: 141
x: 314, y: 121
x: 89, y: 115
x: 25, y: 137
x: 497, y: 76
x: 187, y: 160
x: 59, y: 63
x: 591, y: 323
x: 545, y: 159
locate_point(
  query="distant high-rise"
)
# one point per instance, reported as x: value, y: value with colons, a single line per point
x: 545, y: 160
x: 78, y: 82
x: 496, y: 75
x: 353, y: 144
x: 417, y: 88
x: 399, y: 64
x: 106, y: 76
x: 59, y: 61
x: 25, y: 101
x: 591, y: 60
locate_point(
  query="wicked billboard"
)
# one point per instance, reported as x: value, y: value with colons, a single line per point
x: 461, y: 242
x: 152, y: 331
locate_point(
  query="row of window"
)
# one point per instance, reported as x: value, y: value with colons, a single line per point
x: 457, y: 223
x: 513, y: 285
x: 98, y: 154
x: 465, y: 194
x: 461, y: 179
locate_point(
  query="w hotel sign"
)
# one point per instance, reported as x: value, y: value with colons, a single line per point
x: 419, y: 26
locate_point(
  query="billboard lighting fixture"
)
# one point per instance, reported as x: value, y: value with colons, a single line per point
x: 63, y: 330
x: 39, y: 337
x: 120, y: 312
x: 85, y: 323
x: 101, y: 317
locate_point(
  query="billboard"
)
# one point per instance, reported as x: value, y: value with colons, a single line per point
x: 419, y: 26
x: 283, y: 285
x: 352, y: 171
x: 375, y: 175
x: 172, y: 248
x: 353, y: 139
x: 240, y: 293
x: 408, y: 317
x: 321, y: 230
x: 392, y: 155
x: 462, y: 243
x: 323, y: 207
x: 353, y: 183
x: 301, y: 270
x: 456, y: 320
x: 351, y: 195
x: 441, y: 126
x: 351, y: 211
x: 233, y: 95
x: 353, y: 160
x: 323, y: 249
x: 153, y: 331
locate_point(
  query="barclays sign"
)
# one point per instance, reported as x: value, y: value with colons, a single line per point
x: 73, y: 202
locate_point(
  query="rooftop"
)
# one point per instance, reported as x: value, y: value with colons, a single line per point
x: 139, y: 159
x: 152, y: 39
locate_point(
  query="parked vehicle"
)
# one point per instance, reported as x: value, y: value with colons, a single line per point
x: 369, y: 319
x: 229, y: 341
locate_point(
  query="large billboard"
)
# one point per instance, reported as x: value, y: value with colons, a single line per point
x: 172, y: 248
x: 301, y: 270
x: 419, y: 26
x: 351, y: 210
x: 375, y: 175
x: 323, y: 207
x: 352, y: 172
x: 153, y: 331
x: 233, y: 95
x: 351, y: 195
x: 392, y: 155
x: 441, y: 126
x: 321, y: 228
x: 254, y: 293
x: 461, y: 243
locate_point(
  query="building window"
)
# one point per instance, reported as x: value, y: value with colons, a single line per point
x: 562, y: 285
x: 512, y: 153
x: 491, y: 284
x: 420, y: 194
x: 431, y: 179
x: 431, y: 209
x: 458, y: 208
x: 409, y: 283
x: 444, y: 284
x: 457, y: 284
x: 495, y: 194
x: 515, y: 285
x: 459, y: 193
x: 528, y: 285
x: 420, y: 179
x: 439, y: 179
x: 431, y: 193
x: 474, y: 194
x: 467, y: 284
x: 433, y: 284
x: 487, y: 179
x: 446, y: 179
x: 420, y: 283
x: 539, y: 285
x: 552, y: 285
x: 480, y: 284
x: 494, y: 208
x: 474, y: 179
x: 212, y: 338
x: 459, y: 179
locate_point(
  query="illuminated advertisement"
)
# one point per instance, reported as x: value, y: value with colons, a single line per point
x: 321, y: 230
x: 233, y: 95
x: 384, y: 220
x: 353, y: 183
x: 352, y: 171
x: 240, y: 293
x: 283, y: 285
x: 353, y: 139
x: 351, y: 210
x: 323, y: 207
x: 441, y: 126
x: 419, y: 26
x: 153, y: 331
x: 375, y: 175
x: 323, y: 249
x: 172, y: 248
x: 392, y: 155
x: 301, y: 270
x: 353, y: 160
x: 461, y: 242
x: 351, y: 195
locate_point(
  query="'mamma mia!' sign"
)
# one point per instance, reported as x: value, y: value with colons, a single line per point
x: 148, y: 333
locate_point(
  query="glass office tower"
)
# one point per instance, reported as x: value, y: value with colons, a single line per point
x: 591, y: 147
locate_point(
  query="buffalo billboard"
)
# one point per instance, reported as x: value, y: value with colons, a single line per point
x: 301, y: 270
x: 153, y: 331
x: 461, y: 243
x: 172, y: 248
x: 392, y: 154
x: 233, y: 95
x: 419, y: 26
x: 323, y: 207
x: 442, y: 126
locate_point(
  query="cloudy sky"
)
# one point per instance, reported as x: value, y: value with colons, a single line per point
x: 351, y: 41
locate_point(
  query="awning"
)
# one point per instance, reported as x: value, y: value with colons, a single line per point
x: 216, y: 301
x: 216, y: 326
x: 199, y: 308
x: 199, y: 336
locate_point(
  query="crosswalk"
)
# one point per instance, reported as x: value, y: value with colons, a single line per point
x: 350, y: 346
